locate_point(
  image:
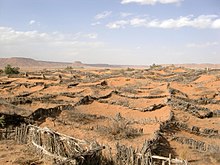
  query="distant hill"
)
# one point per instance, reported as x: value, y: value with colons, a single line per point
x: 204, y: 65
x: 31, y: 63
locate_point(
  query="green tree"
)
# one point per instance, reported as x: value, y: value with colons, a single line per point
x: 11, y: 70
x: 153, y: 66
x: 69, y: 68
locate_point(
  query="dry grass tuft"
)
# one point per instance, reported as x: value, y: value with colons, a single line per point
x: 120, y: 128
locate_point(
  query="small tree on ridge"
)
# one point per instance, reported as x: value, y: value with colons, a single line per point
x: 11, y: 70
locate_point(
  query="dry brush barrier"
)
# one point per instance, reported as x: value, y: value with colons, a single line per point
x: 23, y: 99
x: 43, y: 113
x: 194, y: 144
x: 63, y: 149
x: 216, y: 113
x: 139, y: 97
x: 127, y: 96
x: 13, y: 119
x: 194, y: 110
x: 7, y: 134
x: 205, y: 132
x: 174, y: 78
x: 130, y: 156
x: 146, y: 109
x: 197, y: 145
x: 200, y: 101
x: 58, y: 147
x: 174, y: 91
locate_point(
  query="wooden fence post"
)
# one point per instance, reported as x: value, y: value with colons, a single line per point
x: 16, y: 134
x: 169, y: 159
x: 6, y: 133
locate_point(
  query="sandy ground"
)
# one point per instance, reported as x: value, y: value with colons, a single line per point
x: 135, y: 88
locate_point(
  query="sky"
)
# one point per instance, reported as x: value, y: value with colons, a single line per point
x: 134, y: 32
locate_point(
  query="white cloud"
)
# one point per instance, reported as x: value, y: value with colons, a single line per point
x: 9, y: 35
x: 31, y: 22
x: 91, y: 35
x: 137, y: 22
x: 95, y: 23
x: 202, y: 45
x: 103, y: 15
x: 124, y: 14
x: 34, y: 43
x: 153, y: 23
x: 117, y: 24
x: 202, y: 21
x: 216, y: 24
x: 34, y: 22
x: 151, y: 2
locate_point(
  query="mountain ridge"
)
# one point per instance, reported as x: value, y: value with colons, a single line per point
x: 23, y: 62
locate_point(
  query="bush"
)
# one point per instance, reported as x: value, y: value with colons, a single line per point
x: 1, y: 71
x: 2, y: 121
x: 69, y: 68
x: 120, y: 128
x: 155, y: 66
x: 130, y: 69
x: 128, y: 89
x: 11, y: 70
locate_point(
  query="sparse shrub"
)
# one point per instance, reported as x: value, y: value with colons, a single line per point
x: 2, y: 121
x: 120, y: 128
x: 130, y: 69
x: 128, y: 89
x: 139, y: 76
x: 118, y: 72
x: 1, y: 71
x: 69, y: 68
x: 11, y: 70
x: 156, y: 92
x: 83, y: 118
x: 155, y: 66
x: 123, y: 102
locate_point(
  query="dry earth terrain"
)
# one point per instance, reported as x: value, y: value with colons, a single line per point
x: 117, y: 105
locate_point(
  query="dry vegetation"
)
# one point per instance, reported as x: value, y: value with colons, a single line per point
x: 126, y: 106
x: 120, y: 128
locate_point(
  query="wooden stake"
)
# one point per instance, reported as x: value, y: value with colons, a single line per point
x: 169, y: 159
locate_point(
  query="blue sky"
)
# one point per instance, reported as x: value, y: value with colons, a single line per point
x: 111, y: 31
